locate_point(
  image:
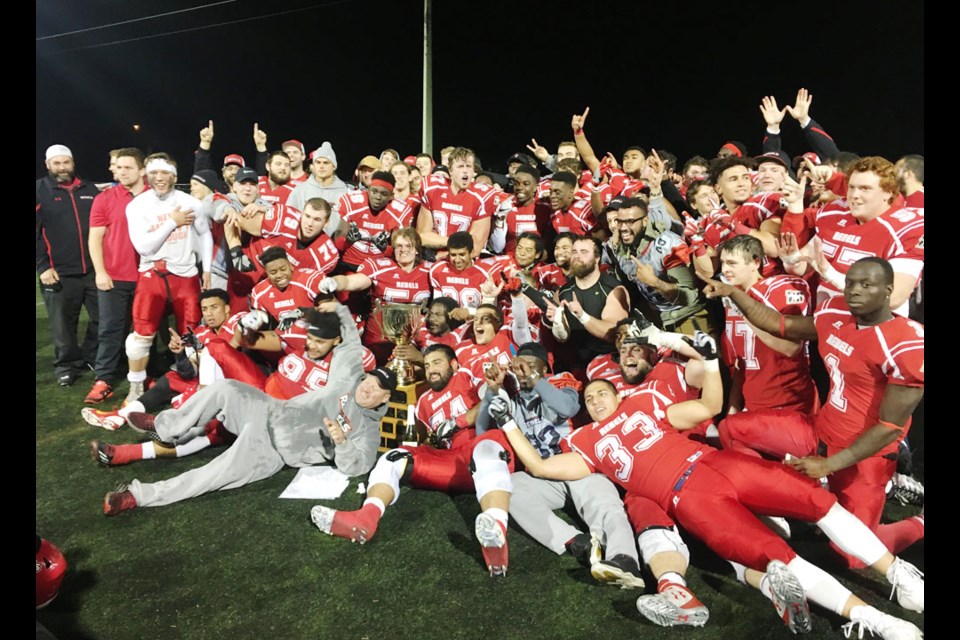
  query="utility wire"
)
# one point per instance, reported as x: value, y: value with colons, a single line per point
x: 117, y: 24
x: 209, y: 26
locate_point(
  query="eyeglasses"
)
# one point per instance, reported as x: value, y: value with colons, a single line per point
x: 630, y: 221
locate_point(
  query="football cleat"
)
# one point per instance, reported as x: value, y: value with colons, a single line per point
x: 621, y: 570
x: 143, y: 423
x: 905, y: 490
x: 112, y: 455
x: 907, y: 583
x: 136, y: 390
x: 118, y: 500
x: 350, y: 525
x: 674, y: 606
x: 109, y: 420
x: 788, y: 597
x: 880, y: 625
x: 100, y: 391
x: 493, y: 540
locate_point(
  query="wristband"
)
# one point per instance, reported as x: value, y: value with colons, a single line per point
x: 783, y: 326
x: 471, y: 311
x: 509, y: 425
x: 890, y: 425
x: 657, y: 194
x: 667, y: 340
x: 834, y: 277
x: 584, y: 318
x: 790, y: 259
x: 712, y: 365
x: 578, y: 132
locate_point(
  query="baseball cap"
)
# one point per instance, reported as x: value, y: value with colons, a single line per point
x: 369, y: 161
x: 210, y: 178
x: 779, y: 157
x: 295, y: 143
x: 534, y: 349
x: 386, y: 377
x: 522, y: 158
x: 622, y: 202
x: 58, y: 150
x: 246, y: 173
x: 234, y: 158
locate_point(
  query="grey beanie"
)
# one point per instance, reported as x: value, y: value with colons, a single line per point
x: 326, y: 151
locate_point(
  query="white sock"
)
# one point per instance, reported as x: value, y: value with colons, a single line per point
x: 377, y: 502
x: 767, y: 593
x: 740, y: 570
x: 852, y: 536
x: 135, y: 406
x: 672, y: 577
x: 147, y: 450
x: 137, y: 376
x: 192, y: 446
x: 821, y: 587
x: 499, y: 514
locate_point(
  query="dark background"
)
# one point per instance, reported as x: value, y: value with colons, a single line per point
x: 681, y: 76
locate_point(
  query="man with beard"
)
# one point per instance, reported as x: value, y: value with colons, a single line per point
x: 275, y: 187
x: 67, y: 276
x: 461, y: 462
x: 520, y: 214
x: 591, y: 305
x: 657, y: 261
x: 168, y: 232
x: 438, y: 327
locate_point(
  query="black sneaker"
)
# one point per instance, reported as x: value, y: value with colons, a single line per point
x: 579, y: 547
x: 67, y: 379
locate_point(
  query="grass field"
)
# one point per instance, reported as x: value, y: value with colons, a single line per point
x: 243, y: 564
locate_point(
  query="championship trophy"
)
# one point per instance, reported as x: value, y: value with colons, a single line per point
x: 398, y: 323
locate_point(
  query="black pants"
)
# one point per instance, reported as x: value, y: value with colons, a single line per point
x: 64, y: 302
x: 115, y: 310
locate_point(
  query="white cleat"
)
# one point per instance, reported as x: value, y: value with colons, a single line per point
x: 907, y: 582
x: 788, y: 597
x: 880, y: 625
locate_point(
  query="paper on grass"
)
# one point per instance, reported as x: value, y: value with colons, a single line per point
x: 325, y: 483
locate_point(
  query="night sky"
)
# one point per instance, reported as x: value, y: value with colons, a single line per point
x: 684, y: 76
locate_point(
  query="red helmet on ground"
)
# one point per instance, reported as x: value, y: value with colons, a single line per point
x: 51, y: 565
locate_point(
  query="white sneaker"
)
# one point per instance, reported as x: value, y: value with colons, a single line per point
x: 109, y: 420
x: 907, y: 583
x: 136, y: 390
x: 881, y: 625
x: 786, y: 592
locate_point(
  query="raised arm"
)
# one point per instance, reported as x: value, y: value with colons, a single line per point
x: 762, y: 316
x: 583, y: 146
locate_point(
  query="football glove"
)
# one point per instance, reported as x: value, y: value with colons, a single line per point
x: 353, y: 233
x: 287, y: 318
x: 240, y: 260
x: 445, y: 430
x: 704, y: 344
x: 254, y: 319
x: 381, y: 240
x: 499, y: 410
x: 641, y: 328
x: 328, y: 285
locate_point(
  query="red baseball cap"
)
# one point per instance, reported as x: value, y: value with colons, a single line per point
x: 295, y: 143
x: 234, y: 158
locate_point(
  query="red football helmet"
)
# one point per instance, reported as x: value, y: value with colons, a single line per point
x: 51, y: 565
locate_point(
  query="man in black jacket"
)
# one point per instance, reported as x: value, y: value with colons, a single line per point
x: 67, y: 277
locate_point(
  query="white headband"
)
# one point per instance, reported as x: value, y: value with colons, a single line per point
x: 159, y: 164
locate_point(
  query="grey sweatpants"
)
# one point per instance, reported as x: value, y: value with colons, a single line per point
x: 243, y: 410
x: 596, y: 500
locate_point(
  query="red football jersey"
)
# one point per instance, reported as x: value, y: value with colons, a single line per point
x: 895, y: 235
x: 452, y: 212
x: 531, y: 217
x: 578, y: 219
x: 452, y: 339
x: 226, y: 331
x: 355, y: 208
x: 320, y: 255
x: 636, y: 446
x: 455, y: 399
x: 462, y: 286
x: 861, y: 362
x: 393, y: 284
x: 274, y: 196
x: 297, y: 374
x: 300, y: 292
x: 770, y: 379
x: 501, y: 350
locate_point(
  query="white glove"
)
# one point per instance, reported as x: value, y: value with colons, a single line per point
x: 328, y: 285
x: 254, y: 319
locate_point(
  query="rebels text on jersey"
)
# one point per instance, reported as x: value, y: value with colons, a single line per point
x: 577, y: 219
x: 274, y: 196
x: 300, y: 292
x: 393, y: 284
x: 355, y: 208
x: 453, y: 212
x: 501, y: 350
x: 896, y: 235
x: 771, y: 380
x: 861, y: 363
x: 462, y: 286
x: 455, y: 399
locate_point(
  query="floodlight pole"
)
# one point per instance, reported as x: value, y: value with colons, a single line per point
x: 427, y: 141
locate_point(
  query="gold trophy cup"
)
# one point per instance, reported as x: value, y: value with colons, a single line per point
x: 398, y: 323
